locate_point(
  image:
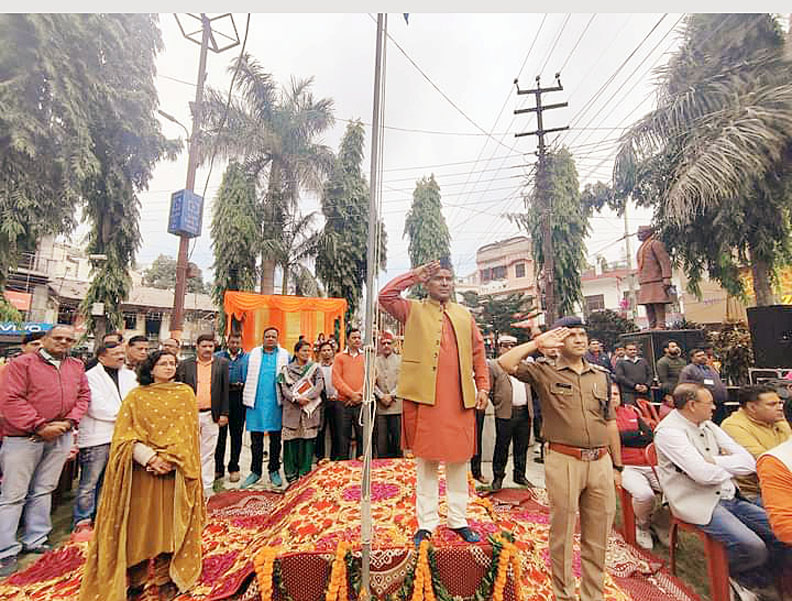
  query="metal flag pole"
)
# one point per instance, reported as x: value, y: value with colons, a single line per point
x: 372, y: 264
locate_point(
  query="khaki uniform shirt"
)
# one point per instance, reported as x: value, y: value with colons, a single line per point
x: 573, y: 405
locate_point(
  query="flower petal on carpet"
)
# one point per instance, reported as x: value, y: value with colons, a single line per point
x: 307, y: 523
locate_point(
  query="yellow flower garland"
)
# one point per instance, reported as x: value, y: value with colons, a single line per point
x: 509, y: 555
x: 263, y: 563
x: 337, y: 589
x: 422, y: 584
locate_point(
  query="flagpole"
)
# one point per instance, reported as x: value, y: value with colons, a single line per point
x: 366, y: 526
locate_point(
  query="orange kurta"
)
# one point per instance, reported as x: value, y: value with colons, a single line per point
x: 446, y: 430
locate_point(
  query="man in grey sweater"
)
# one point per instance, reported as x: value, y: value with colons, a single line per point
x: 633, y: 375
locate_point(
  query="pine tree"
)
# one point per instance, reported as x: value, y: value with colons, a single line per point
x: 341, y: 262
x: 425, y: 225
x: 557, y: 187
x: 235, y: 234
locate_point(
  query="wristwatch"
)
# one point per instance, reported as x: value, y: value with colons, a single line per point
x: 618, y: 468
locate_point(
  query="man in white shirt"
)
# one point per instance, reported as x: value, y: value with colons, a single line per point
x: 696, y: 463
x: 513, y: 416
x: 109, y: 381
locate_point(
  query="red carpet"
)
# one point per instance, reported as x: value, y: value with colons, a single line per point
x: 305, y: 525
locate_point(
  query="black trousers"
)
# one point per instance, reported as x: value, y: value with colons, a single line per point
x: 516, y: 431
x: 387, y: 433
x: 257, y: 451
x: 475, y: 462
x: 236, y: 423
x: 345, y: 421
x: 324, y: 423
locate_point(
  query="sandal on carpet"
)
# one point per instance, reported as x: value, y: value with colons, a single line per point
x: 168, y: 591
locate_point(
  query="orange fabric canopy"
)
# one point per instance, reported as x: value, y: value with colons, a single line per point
x: 292, y: 315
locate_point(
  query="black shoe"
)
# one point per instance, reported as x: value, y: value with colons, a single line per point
x: 497, y: 483
x: 468, y: 535
x: 481, y: 479
x: 8, y: 565
x: 40, y: 549
x: 522, y: 481
x: 420, y: 536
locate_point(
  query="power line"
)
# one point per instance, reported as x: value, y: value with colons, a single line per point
x: 503, y: 106
x: 580, y: 39
x: 440, y: 91
x: 555, y: 43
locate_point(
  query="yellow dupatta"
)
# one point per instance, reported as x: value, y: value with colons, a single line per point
x: 164, y: 417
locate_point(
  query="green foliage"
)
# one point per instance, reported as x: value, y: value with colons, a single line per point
x: 341, y: 259
x: 607, y: 326
x: 557, y: 188
x: 236, y: 234
x: 275, y: 135
x: 162, y: 274
x: 712, y: 159
x: 77, y: 125
x: 494, y: 315
x: 733, y: 347
x: 425, y: 225
x: 9, y: 312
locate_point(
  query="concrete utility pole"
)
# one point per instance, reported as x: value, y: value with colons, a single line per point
x: 208, y: 42
x: 630, y: 277
x: 548, y: 269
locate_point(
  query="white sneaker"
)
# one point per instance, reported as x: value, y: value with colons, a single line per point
x: 644, y: 538
x: 740, y: 593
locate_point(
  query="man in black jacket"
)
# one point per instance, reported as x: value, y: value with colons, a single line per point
x: 207, y: 375
x: 633, y: 375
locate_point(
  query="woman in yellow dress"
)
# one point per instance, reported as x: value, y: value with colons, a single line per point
x: 152, y: 505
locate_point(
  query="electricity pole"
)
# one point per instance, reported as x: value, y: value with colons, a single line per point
x: 548, y: 268
x: 208, y: 42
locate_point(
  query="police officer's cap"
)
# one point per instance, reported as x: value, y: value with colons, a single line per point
x: 570, y: 321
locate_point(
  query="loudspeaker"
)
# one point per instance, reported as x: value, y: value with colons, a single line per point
x: 771, y: 334
x: 652, y: 342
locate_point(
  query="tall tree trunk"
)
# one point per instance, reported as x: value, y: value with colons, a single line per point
x: 285, y: 284
x: 267, y: 275
x: 760, y: 272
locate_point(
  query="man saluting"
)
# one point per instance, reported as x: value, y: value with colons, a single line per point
x: 443, y: 378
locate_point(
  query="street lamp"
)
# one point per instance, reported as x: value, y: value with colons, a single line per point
x: 173, y: 119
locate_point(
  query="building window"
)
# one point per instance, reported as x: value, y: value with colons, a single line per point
x: 485, y: 276
x: 519, y: 270
x: 130, y: 321
x: 66, y: 314
x: 595, y: 302
x: 153, y: 323
x: 499, y: 273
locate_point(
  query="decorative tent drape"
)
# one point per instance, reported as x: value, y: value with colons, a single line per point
x: 292, y: 315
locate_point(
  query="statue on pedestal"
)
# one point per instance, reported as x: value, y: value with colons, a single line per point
x: 654, y: 277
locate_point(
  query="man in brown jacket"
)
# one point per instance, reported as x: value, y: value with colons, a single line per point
x: 513, y: 416
x: 654, y: 277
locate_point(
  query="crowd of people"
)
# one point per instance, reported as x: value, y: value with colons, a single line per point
x: 152, y: 429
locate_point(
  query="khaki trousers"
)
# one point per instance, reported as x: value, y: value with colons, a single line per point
x: 587, y: 487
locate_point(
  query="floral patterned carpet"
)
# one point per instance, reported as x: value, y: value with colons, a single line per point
x: 306, y: 524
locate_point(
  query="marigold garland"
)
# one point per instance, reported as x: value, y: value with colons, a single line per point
x: 263, y: 564
x: 337, y: 587
x: 508, y: 556
x: 422, y: 586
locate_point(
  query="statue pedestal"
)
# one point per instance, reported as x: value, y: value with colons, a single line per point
x: 652, y: 342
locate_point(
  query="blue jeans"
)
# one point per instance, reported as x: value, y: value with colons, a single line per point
x: 31, y: 470
x: 93, y: 461
x: 743, y: 529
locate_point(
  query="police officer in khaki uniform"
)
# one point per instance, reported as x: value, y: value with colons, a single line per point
x: 584, y: 457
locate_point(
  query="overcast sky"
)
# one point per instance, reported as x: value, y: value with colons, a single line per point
x: 473, y: 59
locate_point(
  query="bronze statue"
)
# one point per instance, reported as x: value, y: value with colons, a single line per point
x: 654, y: 277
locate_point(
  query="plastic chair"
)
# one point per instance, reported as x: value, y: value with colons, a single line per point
x: 717, y: 560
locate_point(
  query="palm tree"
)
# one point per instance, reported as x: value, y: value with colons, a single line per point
x: 710, y: 157
x: 276, y: 136
x: 298, y: 245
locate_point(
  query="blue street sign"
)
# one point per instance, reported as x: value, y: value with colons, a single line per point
x: 186, y: 214
x: 9, y: 328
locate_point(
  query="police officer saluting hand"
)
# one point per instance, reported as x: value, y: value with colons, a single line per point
x: 584, y: 457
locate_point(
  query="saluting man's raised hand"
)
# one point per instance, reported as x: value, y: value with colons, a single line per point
x: 553, y: 339
x: 424, y: 272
